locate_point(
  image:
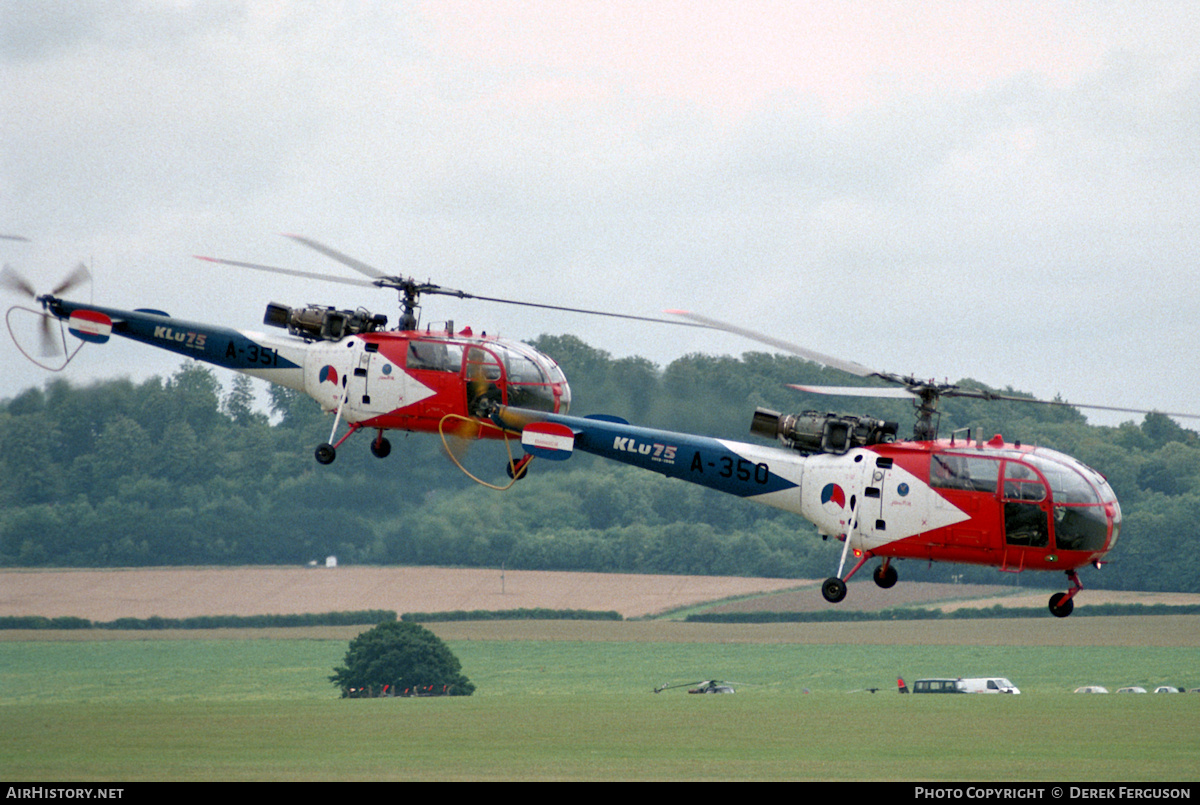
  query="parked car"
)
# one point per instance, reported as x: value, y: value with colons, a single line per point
x: 1091, y: 689
x: 938, y: 686
x: 988, y: 684
x: 1167, y: 689
x: 1131, y: 689
x: 980, y: 684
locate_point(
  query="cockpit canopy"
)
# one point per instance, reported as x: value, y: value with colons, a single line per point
x: 1082, y: 501
x: 530, y: 379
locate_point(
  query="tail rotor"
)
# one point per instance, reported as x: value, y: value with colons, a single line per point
x: 51, y: 344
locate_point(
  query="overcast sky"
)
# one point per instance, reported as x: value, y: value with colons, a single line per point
x: 1006, y: 191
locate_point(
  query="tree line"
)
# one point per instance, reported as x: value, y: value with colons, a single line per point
x: 183, y: 471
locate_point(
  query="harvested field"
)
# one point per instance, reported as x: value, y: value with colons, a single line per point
x: 105, y: 595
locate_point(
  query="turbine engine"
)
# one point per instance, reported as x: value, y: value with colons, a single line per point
x: 815, y: 432
x: 323, y: 323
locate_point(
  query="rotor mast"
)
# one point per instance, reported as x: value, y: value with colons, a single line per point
x: 926, y: 402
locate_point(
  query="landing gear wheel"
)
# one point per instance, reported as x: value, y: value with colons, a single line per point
x: 325, y: 454
x: 834, y: 589
x: 379, y: 447
x: 517, y: 469
x: 885, y: 576
x: 1060, y: 605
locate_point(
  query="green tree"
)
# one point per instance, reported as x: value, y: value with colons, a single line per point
x: 396, y: 657
x: 239, y: 402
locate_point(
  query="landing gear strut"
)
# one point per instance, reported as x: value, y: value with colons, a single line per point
x: 834, y: 587
x: 1061, y: 604
x: 326, y: 453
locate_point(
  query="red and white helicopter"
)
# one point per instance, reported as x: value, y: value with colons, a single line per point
x: 374, y: 379
x: 1006, y: 505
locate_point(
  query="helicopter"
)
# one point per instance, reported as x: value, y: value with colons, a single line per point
x: 442, y: 380
x: 704, y: 686
x: 963, y: 499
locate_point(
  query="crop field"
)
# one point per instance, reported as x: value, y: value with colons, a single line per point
x: 574, y: 701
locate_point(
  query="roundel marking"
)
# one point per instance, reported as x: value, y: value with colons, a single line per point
x: 833, y: 493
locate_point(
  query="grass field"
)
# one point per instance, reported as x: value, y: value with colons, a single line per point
x: 573, y: 701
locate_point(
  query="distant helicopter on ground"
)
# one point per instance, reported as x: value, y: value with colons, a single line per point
x: 704, y: 686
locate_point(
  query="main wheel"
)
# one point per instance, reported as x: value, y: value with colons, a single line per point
x: 325, y: 454
x: 380, y: 447
x: 834, y: 589
x: 1060, y: 605
x: 885, y: 576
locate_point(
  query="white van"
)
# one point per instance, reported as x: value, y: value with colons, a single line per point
x: 988, y: 684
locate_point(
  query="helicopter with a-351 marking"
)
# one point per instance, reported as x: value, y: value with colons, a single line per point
x: 410, y: 378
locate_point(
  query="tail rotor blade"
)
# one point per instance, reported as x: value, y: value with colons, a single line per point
x: 13, y: 281
x: 77, y: 277
x: 50, y: 345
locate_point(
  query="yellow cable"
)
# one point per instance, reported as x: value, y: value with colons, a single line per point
x: 465, y: 471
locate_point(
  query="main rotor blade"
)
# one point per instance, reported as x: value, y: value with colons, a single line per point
x: 886, y: 392
x: 289, y: 271
x: 344, y: 259
x: 987, y: 395
x: 585, y: 311
x: 849, y: 367
x: 912, y: 384
x: 430, y: 288
x: 383, y: 281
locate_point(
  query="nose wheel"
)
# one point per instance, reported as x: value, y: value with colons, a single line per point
x: 885, y: 575
x: 517, y: 469
x: 380, y: 446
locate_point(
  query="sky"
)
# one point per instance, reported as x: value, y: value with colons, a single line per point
x: 1005, y: 191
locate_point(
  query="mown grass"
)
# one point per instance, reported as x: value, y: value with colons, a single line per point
x: 262, y: 709
x: 594, y: 736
